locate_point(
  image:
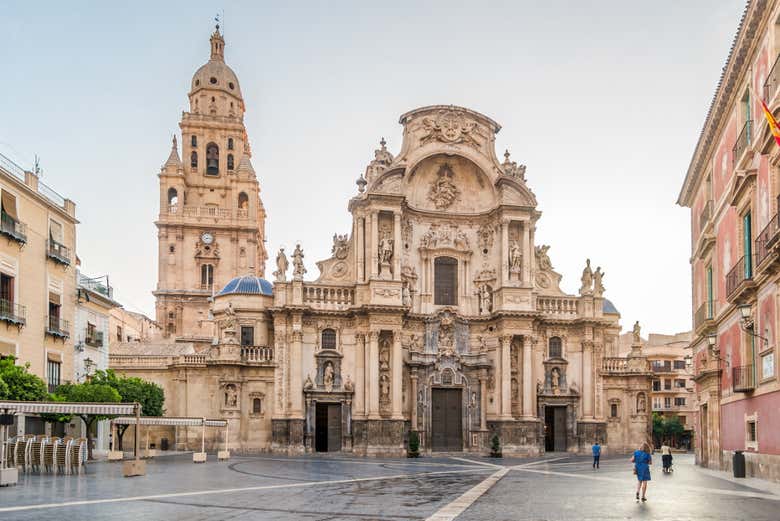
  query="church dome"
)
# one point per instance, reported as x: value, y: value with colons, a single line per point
x: 216, y: 74
x: 247, y: 285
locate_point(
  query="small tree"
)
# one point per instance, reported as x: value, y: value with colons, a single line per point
x: 414, y: 444
x: 87, y: 392
x: 132, y: 389
x: 659, y: 428
x: 19, y: 383
x: 495, y: 446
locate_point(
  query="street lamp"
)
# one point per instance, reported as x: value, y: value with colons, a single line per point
x: 712, y: 340
x: 746, y: 313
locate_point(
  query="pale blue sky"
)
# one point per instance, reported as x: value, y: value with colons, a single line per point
x: 603, y: 101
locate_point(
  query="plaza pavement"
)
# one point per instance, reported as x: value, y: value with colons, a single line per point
x: 335, y: 487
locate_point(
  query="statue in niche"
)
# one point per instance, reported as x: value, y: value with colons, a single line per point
x: 539, y: 387
x: 281, y: 266
x: 542, y: 259
x: 640, y: 402
x: 298, y: 269
x: 587, y: 279
x: 445, y: 340
x: 308, y: 384
x: 230, y: 317
x: 384, y: 356
x: 384, y: 387
x: 406, y: 297
x: 598, y: 285
x: 461, y: 241
x: 555, y: 378
x: 327, y: 377
x: 637, y: 333
x: 515, y: 258
x: 473, y: 399
x: 515, y: 390
x: 414, y: 343
x: 231, y: 396
x: 385, y: 255
x: 485, y: 299
x: 443, y: 191
x: 348, y: 385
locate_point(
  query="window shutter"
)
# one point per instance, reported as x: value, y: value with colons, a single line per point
x: 55, y: 231
x: 9, y: 205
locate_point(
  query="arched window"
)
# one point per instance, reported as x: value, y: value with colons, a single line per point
x: 194, y: 159
x: 555, y: 349
x: 328, y: 339
x: 230, y: 161
x: 206, y: 276
x: 257, y: 406
x: 194, y: 140
x: 173, y: 197
x: 613, y: 410
x: 212, y: 159
x: 243, y: 201
x: 445, y: 281
x: 230, y: 143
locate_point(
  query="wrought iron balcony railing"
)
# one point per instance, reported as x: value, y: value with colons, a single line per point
x: 58, y: 252
x: 772, y: 80
x: 57, y: 327
x: 743, y: 141
x: 743, y: 378
x: 12, y: 228
x: 94, y: 338
x: 12, y: 312
x: 705, y: 313
x: 766, y: 240
x: 741, y: 272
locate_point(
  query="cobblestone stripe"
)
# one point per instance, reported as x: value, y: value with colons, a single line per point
x: 456, y: 508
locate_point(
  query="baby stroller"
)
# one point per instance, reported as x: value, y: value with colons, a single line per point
x: 666, y: 459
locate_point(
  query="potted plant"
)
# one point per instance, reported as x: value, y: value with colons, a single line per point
x: 414, y: 445
x: 495, y: 447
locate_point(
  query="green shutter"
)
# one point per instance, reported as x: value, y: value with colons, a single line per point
x: 748, y: 246
x: 710, y: 310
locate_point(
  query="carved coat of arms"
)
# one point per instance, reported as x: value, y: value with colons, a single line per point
x: 449, y: 126
x: 443, y: 191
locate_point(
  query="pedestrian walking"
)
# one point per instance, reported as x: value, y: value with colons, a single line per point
x: 666, y: 458
x: 642, y: 461
x: 596, y: 454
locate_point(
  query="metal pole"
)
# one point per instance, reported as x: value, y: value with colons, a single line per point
x: 226, y: 436
x: 203, y: 437
x: 136, y: 447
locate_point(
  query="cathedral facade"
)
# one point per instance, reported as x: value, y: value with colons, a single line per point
x: 436, y: 313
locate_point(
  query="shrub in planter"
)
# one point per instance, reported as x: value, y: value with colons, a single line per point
x: 495, y: 447
x: 414, y: 445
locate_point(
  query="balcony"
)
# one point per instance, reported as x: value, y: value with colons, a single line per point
x: 94, y: 338
x: 743, y: 141
x: 57, y: 327
x: 703, y: 318
x: 13, y: 313
x: 561, y: 306
x: 58, y: 252
x: 13, y: 229
x: 743, y: 379
x: 772, y: 82
x: 739, y: 281
x: 257, y: 354
x: 612, y: 364
x: 705, y: 215
x: 210, y: 212
x: 328, y: 297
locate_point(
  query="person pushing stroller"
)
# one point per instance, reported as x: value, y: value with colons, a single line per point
x: 666, y: 458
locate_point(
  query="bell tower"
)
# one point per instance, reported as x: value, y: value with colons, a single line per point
x: 211, y: 225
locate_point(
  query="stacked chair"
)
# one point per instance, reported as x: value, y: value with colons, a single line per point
x: 41, y: 453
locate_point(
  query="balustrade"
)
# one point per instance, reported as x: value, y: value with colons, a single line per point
x: 557, y: 305
x: 257, y: 354
x: 328, y: 297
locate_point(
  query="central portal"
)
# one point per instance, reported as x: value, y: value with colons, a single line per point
x: 447, y: 420
x: 555, y: 429
x: 328, y: 427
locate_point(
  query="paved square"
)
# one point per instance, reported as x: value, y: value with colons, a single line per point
x: 557, y: 487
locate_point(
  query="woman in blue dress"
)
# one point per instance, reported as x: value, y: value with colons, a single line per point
x: 642, y: 461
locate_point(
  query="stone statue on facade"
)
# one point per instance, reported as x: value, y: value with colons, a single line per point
x: 637, y: 333
x: 281, y: 266
x: 587, y: 280
x: 542, y: 259
x: 515, y: 258
x: 406, y: 297
x: 461, y: 241
x: 327, y: 378
x: 443, y: 191
x: 230, y: 318
x: 555, y: 378
x: 598, y: 285
x: 640, y: 402
x: 348, y: 385
x: 231, y: 396
x: 308, y: 384
x: 385, y: 255
x: 340, y: 245
x: 384, y: 387
x: 298, y: 269
x: 485, y: 299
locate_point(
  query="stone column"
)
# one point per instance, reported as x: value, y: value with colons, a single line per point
x: 504, y: 252
x: 360, y: 246
x: 413, y: 398
x: 397, y: 246
x: 483, y: 400
x: 360, y: 370
x: 373, y: 381
x: 296, y: 366
x: 528, y: 379
x: 587, y: 380
x: 374, y: 241
x: 366, y: 375
x: 397, y: 361
x: 506, y: 378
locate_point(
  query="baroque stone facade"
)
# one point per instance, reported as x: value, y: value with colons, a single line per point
x: 437, y: 313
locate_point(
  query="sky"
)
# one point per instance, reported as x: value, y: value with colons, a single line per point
x: 603, y: 101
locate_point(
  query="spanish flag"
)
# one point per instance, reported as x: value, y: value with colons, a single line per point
x: 772, y: 122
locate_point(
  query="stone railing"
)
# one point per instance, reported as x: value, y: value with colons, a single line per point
x: 328, y: 297
x: 257, y: 354
x: 613, y: 364
x: 192, y: 359
x: 557, y: 305
x: 154, y: 360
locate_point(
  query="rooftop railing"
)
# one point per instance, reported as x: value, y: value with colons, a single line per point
x: 98, y: 285
x: 12, y: 168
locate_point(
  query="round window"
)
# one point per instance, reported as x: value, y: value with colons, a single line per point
x: 231, y: 85
x: 213, y: 80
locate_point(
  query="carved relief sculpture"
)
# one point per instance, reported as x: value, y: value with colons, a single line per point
x: 281, y: 266
x: 384, y: 373
x: 298, y: 269
x: 308, y: 384
x: 340, y: 246
x: 348, y: 385
x: 443, y: 191
x: 485, y: 235
x: 512, y: 169
x: 449, y: 126
x: 587, y: 280
x: 542, y: 258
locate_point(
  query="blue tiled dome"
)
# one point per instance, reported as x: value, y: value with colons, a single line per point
x: 248, y: 285
x: 609, y: 307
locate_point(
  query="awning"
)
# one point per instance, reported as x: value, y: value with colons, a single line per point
x: 9, y: 205
x: 170, y: 421
x: 108, y: 409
